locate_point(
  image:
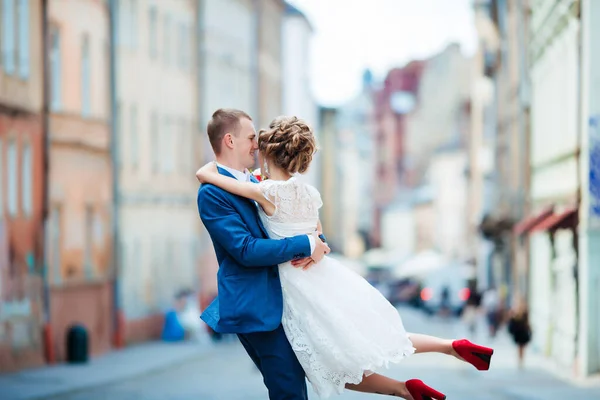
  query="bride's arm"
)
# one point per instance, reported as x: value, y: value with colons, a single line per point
x: 249, y: 190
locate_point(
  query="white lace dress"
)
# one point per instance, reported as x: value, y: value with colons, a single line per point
x: 339, y: 326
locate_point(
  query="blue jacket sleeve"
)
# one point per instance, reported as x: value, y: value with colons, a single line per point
x: 227, y: 228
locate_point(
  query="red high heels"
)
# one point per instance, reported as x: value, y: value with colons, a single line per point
x: 478, y: 356
x: 420, y: 391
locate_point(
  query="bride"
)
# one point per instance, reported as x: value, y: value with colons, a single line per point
x: 341, y: 329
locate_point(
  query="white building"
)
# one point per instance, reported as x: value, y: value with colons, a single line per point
x: 449, y: 185
x: 554, y: 60
x: 298, y: 99
x: 355, y: 169
x: 589, y: 217
x: 156, y: 92
x: 227, y: 57
x: 227, y: 50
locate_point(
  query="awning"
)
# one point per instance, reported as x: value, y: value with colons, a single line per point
x: 562, y: 219
x: 526, y: 224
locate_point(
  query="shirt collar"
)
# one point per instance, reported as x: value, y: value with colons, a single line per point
x: 239, y: 175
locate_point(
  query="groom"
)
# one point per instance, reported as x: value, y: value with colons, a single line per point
x: 250, y: 301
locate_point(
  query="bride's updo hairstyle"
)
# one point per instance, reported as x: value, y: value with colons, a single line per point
x: 289, y: 144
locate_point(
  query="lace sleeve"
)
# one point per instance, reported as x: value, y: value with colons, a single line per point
x: 316, y: 196
x: 269, y: 190
x: 293, y: 201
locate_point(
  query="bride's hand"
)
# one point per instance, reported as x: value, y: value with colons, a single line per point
x: 204, y: 173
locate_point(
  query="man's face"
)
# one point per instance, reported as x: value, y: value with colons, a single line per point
x: 246, y: 143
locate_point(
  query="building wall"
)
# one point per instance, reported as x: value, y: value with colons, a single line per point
x: 297, y: 93
x: 355, y: 152
x: 270, y: 75
x: 444, y: 87
x: 554, y: 172
x: 21, y: 189
x: 449, y: 202
x: 390, y: 127
x: 80, y: 211
x: 158, y: 138
x: 228, y: 79
x: 589, y: 226
x: 330, y: 213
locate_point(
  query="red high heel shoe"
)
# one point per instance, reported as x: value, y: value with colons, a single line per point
x: 478, y: 356
x: 420, y: 391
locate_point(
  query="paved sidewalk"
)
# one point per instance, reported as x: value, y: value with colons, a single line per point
x: 113, y: 367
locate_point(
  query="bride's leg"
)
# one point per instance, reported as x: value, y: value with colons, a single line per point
x: 431, y: 344
x: 380, y: 384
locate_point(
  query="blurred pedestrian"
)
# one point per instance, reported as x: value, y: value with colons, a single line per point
x: 173, y: 330
x: 471, y: 313
x: 520, y: 329
x: 491, y: 306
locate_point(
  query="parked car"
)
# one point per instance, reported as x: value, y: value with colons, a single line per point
x: 445, y: 291
x: 405, y: 291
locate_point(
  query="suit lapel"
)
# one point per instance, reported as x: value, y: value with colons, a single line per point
x: 250, y: 203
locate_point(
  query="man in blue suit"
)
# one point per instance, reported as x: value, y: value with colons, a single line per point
x: 250, y: 301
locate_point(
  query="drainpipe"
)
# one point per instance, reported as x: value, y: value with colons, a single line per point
x: 47, y: 327
x: 118, y: 318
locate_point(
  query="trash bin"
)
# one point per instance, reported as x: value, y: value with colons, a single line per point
x: 77, y: 344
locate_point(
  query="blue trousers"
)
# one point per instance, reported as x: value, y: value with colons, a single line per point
x: 273, y: 356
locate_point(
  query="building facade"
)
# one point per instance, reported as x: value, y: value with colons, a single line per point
x: 269, y: 50
x: 79, y: 225
x: 355, y: 169
x: 227, y: 77
x: 553, y: 52
x: 297, y: 97
x: 22, y: 185
x: 158, y: 141
x: 392, y: 103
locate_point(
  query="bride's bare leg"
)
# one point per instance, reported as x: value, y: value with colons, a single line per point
x: 380, y: 384
x: 430, y: 344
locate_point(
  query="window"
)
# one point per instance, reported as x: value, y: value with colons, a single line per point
x: 167, y: 147
x: 153, y: 33
x: 134, y: 140
x: 54, y: 247
x: 55, y: 69
x: 85, y: 77
x: 23, y: 38
x: 183, y: 41
x: 8, y: 36
x: 155, y: 142
x: 89, y: 243
x: 27, y: 180
x: 118, y: 130
x: 12, y: 178
x: 167, y: 40
x: 133, y: 23
x: 1, y: 181
x: 183, y: 144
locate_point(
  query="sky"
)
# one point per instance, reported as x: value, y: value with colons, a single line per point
x: 351, y: 35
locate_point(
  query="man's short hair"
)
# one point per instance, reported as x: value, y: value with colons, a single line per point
x: 223, y: 121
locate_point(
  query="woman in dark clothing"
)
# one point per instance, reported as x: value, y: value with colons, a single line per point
x: 520, y: 330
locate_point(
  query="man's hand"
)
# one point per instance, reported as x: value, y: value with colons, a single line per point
x: 321, y: 249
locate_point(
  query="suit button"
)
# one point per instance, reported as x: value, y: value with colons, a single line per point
x: 274, y: 273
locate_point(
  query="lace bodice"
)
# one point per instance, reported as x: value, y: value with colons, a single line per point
x: 296, y: 208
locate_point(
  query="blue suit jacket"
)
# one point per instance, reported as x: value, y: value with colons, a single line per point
x: 249, y: 298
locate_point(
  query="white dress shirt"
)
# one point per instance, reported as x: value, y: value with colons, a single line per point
x: 245, y: 177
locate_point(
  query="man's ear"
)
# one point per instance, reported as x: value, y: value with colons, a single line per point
x: 228, y: 140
